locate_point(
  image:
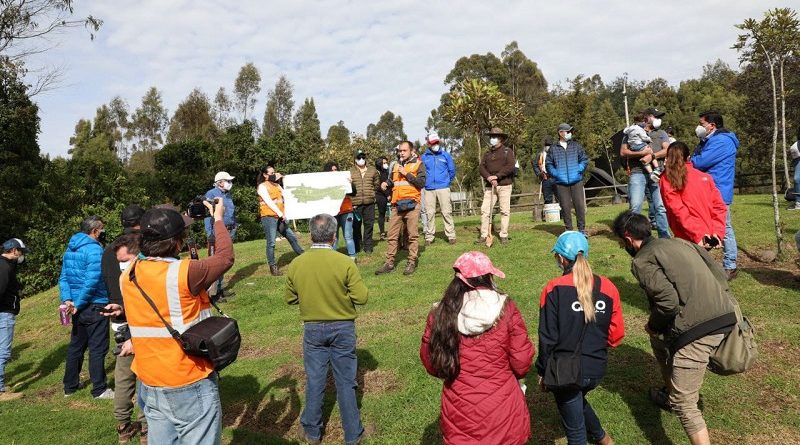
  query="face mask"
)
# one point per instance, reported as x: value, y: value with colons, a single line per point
x: 227, y: 186
x: 386, y: 166
x: 271, y: 178
x: 700, y: 131
x: 361, y: 162
x: 567, y: 136
x: 102, y: 236
x: 435, y: 148
x: 656, y: 123
x: 20, y: 259
x: 630, y: 249
x: 493, y: 141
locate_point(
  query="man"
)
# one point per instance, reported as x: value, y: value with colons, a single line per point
x: 540, y: 169
x: 83, y: 291
x: 716, y: 155
x: 690, y: 312
x: 327, y: 286
x: 13, y: 254
x: 794, y: 151
x: 441, y: 170
x: 566, y: 163
x: 223, y: 182
x: 116, y: 259
x: 180, y: 392
x: 639, y: 182
x: 406, y: 179
x: 497, y: 170
x: 365, y: 180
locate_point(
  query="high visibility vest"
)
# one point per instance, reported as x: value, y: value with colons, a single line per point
x: 275, y: 193
x: 159, y: 360
x: 347, y: 206
x: 402, y: 188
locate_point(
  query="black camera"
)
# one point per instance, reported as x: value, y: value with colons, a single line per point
x: 121, y: 335
x: 197, y: 209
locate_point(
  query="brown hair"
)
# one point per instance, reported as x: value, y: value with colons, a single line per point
x: 675, y: 164
x: 640, y: 117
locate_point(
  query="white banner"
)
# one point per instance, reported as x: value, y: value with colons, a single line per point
x: 308, y: 194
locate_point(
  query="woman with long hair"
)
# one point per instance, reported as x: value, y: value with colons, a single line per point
x: 270, y: 209
x: 344, y: 219
x: 579, y: 312
x: 695, y: 209
x: 476, y: 341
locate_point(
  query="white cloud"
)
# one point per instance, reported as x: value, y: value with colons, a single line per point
x: 359, y: 59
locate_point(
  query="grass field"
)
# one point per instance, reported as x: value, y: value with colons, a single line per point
x: 262, y: 393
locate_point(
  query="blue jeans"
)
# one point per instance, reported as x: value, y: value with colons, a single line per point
x: 577, y: 416
x: 796, y: 165
x: 345, y: 222
x: 729, y: 249
x: 186, y: 415
x: 89, y: 331
x: 334, y: 343
x: 7, y: 322
x: 270, y: 225
x: 636, y: 188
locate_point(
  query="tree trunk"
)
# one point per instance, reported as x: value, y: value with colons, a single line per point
x: 783, y: 127
x: 775, y: 203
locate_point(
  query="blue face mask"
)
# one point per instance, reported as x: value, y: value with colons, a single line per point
x: 493, y: 141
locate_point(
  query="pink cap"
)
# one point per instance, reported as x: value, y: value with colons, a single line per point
x: 475, y: 264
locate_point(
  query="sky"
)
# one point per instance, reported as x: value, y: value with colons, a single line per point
x: 358, y: 59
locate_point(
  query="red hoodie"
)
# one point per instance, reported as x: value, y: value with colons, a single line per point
x: 697, y: 210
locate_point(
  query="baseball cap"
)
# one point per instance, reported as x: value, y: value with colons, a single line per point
x: 475, y: 264
x: 359, y: 153
x: 14, y: 243
x: 163, y: 222
x: 131, y: 215
x: 223, y: 176
x: 570, y: 243
x: 654, y: 111
x: 433, y: 138
x: 564, y: 127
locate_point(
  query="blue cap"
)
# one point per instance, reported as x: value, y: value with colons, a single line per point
x: 570, y: 243
x: 14, y: 243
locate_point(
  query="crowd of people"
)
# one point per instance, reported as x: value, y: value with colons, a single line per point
x: 475, y: 338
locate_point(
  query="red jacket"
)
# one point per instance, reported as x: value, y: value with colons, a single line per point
x: 485, y: 405
x: 697, y: 210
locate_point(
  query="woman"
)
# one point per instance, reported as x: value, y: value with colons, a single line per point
x: 695, y: 209
x: 383, y: 197
x: 477, y: 342
x: 270, y: 209
x: 578, y: 304
x: 344, y: 218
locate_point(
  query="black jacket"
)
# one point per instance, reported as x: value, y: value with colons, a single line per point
x: 384, y: 177
x: 110, y: 271
x: 9, y: 286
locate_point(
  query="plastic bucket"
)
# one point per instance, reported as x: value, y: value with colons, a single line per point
x: 552, y: 212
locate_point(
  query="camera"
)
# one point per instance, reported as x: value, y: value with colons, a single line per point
x: 197, y: 209
x: 121, y: 335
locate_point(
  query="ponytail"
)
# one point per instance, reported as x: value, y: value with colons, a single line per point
x: 584, y: 282
x: 675, y: 164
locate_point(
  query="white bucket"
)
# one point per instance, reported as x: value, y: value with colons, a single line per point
x: 552, y: 212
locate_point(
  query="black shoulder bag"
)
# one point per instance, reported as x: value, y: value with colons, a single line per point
x: 563, y: 371
x: 214, y: 338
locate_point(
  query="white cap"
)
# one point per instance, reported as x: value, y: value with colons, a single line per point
x: 433, y: 136
x: 223, y: 176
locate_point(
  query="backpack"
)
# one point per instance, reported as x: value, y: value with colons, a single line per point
x: 738, y: 350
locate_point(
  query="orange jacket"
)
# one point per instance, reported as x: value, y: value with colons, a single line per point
x: 159, y: 359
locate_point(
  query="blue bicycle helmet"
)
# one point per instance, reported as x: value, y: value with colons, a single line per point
x: 570, y: 243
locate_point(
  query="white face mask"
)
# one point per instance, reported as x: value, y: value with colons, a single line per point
x: 361, y: 162
x: 227, y: 186
x: 656, y: 123
x: 435, y: 148
x: 700, y: 131
x: 386, y: 166
x: 20, y: 259
x: 493, y: 141
x: 567, y: 136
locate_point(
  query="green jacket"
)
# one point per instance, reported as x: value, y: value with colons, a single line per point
x: 326, y: 284
x: 687, y: 291
x: 366, y: 186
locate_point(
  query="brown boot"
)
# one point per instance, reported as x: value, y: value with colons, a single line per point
x: 273, y: 269
x: 127, y: 431
x: 606, y: 440
x: 410, y: 268
x: 386, y: 268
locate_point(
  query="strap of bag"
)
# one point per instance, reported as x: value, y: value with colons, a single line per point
x: 595, y: 296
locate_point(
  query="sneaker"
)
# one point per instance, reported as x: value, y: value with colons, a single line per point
x: 655, y: 176
x: 503, y: 240
x: 107, y: 394
x: 127, y: 431
x: 386, y: 268
x: 410, y: 268
x: 732, y: 273
x: 369, y: 431
x: 794, y: 207
x: 383, y: 236
x: 480, y: 240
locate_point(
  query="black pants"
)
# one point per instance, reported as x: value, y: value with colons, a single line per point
x: 383, y: 205
x: 89, y: 330
x: 570, y: 196
x: 364, y: 216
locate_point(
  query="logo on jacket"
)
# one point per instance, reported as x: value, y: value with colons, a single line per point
x: 599, y: 306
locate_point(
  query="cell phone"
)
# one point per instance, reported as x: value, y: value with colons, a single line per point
x: 710, y: 241
x: 102, y: 310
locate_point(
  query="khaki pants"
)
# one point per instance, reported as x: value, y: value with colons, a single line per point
x: 443, y: 196
x: 399, y: 223
x: 683, y: 376
x: 124, y: 390
x: 489, y: 199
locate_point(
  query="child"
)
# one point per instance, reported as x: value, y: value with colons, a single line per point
x: 477, y: 342
x: 638, y: 140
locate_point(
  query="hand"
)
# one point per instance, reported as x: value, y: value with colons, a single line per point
x: 543, y: 176
x: 112, y: 310
x: 402, y: 170
x: 541, y: 384
x: 494, y: 183
x: 217, y: 210
x: 278, y: 176
x: 71, y: 307
x: 384, y: 186
x: 126, y: 349
x: 492, y: 178
x: 646, y: 151
x: 719, y: 241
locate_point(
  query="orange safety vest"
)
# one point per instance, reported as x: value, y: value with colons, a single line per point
x: 402, y: 188
x: 347, y: 206
x: 276, y: 194
x: 159, y: 360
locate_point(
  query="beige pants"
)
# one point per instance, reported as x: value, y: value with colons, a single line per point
x: 443, y: 196
x: 683, y: 377
x: 489, y: 199
x: 403, y: 223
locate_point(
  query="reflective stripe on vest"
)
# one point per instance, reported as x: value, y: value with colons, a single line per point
x: 164, y: 332
x: 402, y: 188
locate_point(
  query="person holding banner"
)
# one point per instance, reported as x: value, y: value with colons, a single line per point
x: 344, y: 219
x: 270, y: 210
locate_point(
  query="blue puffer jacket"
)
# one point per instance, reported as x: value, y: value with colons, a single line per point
x: 566, y: 165
x: 440, y: 169
x: 716, y: 156
x: 81, y: 280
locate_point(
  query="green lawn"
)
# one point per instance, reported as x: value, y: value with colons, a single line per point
x: 262, y: 392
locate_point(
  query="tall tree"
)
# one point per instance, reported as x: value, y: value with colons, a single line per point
x: 119, y: 123
x: 192, y: 119
x: 149, y: 121
x: 221, y: 111
x: 388, y: 131
x: 309, y: 137
x: 246, y: 87
x: 525, y: 81
x: 338, y: 134
x: 280, y: 107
